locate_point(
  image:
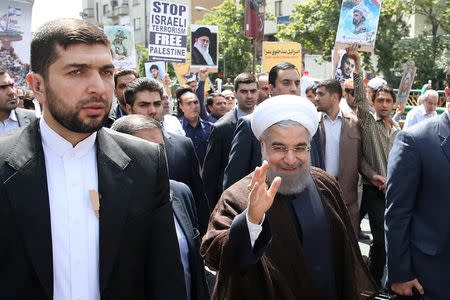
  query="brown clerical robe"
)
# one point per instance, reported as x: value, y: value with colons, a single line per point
x: 281, y: 273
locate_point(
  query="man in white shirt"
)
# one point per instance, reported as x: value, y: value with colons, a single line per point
x: 424, y: 111
x: 340, y: 140
x: 11, y: 117
x: 84, y: 212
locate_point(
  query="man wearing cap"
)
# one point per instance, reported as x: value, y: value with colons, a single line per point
x: 200, y: 49
x: 292, y: 240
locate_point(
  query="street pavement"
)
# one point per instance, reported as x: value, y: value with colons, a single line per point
x: 364, y: 245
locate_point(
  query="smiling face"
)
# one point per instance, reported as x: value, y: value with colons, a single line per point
x: 286, y: 149
x: 77, y: 93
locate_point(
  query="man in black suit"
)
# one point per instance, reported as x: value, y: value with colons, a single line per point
x: 219, y: 142
x: 11, y: 117
x: 84, y: 212
x: 183, y: 206
x: 143, y: 96
x: 245, y: 153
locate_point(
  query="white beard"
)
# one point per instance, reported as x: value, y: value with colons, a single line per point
x: 205, y: 53
x: 291, y: 184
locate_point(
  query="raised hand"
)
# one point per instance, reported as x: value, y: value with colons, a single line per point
x: 261, y: 198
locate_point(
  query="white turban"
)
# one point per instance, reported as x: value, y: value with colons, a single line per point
x: 285, y: 107
x: 362, y: 10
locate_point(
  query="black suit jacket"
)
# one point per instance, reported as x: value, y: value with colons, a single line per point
x: 25, y: 116
x: 216, y: 159
x: 184, y: 209
x: 138, y: 249
x: 184, y: 167
x: 245, y: 153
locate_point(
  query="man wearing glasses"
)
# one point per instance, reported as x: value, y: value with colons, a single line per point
x: 11, y: 117
x: 283, y: 230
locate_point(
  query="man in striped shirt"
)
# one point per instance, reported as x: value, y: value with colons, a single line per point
x: 378, y: 132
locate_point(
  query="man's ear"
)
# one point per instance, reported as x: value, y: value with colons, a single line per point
x: 271, y: 87
x: 37, y: 84
x: 129, y: 109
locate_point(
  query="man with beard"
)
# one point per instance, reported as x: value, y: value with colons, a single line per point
x: 359, y: 19
x: 200, y: 49
x: 292, y: 240
x: 11, y: 117
x: 94, y: 221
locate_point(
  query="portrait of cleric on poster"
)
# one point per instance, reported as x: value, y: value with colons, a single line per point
x: 204, y: 46
x: 358, y: 22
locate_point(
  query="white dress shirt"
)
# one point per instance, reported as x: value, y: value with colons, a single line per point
x: 10, y: 123
x: 172, y: 124
x: 332, y: 138
x: 416, y: 115
x: 71, y: 173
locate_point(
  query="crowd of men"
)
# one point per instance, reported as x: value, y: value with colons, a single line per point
x: 108, y: 197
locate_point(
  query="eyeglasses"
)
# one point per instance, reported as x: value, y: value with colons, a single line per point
x: 350, y: 91
x: 283, y: 150
x: 8, y: 85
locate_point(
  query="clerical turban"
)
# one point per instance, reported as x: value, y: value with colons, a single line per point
x: 284, y: 107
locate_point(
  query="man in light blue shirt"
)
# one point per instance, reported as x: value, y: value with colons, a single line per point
x: 424, y: 111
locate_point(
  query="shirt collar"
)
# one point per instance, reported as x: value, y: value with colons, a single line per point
x: 13, y: 116
x: 339, y: 115
x: 61, y: 146
x: 424, y: 112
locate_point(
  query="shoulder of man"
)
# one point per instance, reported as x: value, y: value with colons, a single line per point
x: 131, y: 145
x: 8, y: 142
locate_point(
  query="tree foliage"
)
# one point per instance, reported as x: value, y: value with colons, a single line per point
x: 315, y: 23
x: 235, y: 50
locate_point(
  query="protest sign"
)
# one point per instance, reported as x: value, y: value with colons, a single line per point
x: 343, y: 65
x: 277, y: 52
x: 155, y: 70
x: 122, y: 43
x: 406, y: 83
x: 15, y: 38
x: 204, y: 47
x: 168, y: 29
x: 358, y: 23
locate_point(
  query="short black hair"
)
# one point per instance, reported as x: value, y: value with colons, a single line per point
x: 63, y: 32
x: 181, y: 91
x: 312, y: 88
x: 384, y: 88
x: 139, y: 85
x: 123, y: 72
x: 154, y: 67
x: 332, y: 86
x: 130, y: 124
x: 244, y: 78
x: 210, y: 99
x: 273, y: 73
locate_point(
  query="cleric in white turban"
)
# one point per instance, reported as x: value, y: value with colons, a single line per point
x: 283, y: 231
x: 284, y: 107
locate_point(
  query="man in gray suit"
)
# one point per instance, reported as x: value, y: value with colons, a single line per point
x: 417, y: 225
x: 11, y: 117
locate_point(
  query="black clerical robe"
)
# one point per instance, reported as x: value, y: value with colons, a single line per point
x: 279, y: 269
